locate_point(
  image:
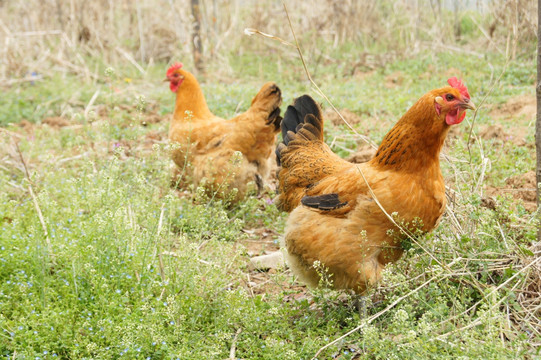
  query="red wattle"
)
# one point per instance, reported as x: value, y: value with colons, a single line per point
x: 452, y: 118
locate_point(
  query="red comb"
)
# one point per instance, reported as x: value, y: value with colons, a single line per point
x: 459, y: 85
x: 173, y: 68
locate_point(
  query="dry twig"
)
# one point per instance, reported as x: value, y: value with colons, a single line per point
x: 233, y: 349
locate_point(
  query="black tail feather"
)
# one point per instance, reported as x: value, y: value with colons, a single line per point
x: 304, y: 112
x: 295, y: 114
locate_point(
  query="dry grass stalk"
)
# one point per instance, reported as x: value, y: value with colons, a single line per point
x: 71, y: 34
x: 50, y: 253
x: 233, y: 349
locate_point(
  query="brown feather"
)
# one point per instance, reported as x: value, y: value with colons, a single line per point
x: 351, y: 239
x: 206, y: 143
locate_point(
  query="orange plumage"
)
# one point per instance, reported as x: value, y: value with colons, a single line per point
x: 334, y: 218
x: 222, y: 154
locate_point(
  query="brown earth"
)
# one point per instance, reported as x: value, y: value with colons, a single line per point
x: 56, y: 121
x: 496, y: 132
x: 334, y: 118
x: 521, y: 187
x: 517, y: 116
x: 526, y: 184
x: 26, y: 125
x: 260, y: 241
x: 522, y: 106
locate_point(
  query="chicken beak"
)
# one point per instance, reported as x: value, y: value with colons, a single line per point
x: 467, y: 105
x: 166, y: 79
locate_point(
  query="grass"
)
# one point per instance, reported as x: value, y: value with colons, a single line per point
x: 136, y: 270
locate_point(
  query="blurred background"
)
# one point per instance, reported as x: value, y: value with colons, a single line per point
x: 83, y: 37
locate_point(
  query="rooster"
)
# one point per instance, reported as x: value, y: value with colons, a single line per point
x: 223, y: 156
x: 344, y: 216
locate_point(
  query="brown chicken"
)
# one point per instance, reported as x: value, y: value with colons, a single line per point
x: 335, y: 219
x: 225, y: 156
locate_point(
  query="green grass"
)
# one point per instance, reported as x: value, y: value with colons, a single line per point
x: 136, y: 270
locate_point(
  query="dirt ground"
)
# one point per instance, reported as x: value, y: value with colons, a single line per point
x: 521, y: 187
x: 513, y: 121
x: 331, y: 116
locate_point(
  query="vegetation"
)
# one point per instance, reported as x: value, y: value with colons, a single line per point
x: 101, y: 258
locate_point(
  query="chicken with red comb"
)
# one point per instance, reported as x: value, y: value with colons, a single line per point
x: 459, y: 85
x: 173, y: 76
x: 226, y: 157
x: 339, y: 210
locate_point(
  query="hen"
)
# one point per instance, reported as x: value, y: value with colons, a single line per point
x: 222, y: 155
x: 335, y: 217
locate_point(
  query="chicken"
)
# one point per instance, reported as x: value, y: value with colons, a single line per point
x: 335, y: 219
x: 223, y: 156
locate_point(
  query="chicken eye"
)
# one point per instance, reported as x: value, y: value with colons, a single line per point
x: 449, y: 97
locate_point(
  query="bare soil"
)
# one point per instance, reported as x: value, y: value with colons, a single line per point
x: 334, y: 118
x: 260, y: 241
x: 523, y: 106
x: 513, y: 120
x: 56, y: 121
x: 521, y: 187
x: 496, y: 132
